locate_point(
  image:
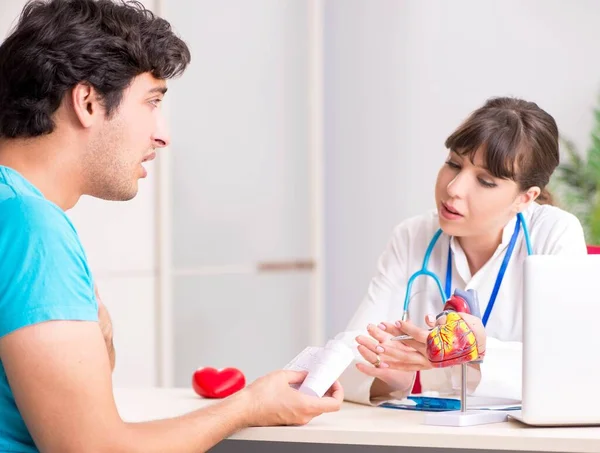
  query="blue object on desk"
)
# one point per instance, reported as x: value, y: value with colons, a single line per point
x: 435, y: 404
x: 427, y: 403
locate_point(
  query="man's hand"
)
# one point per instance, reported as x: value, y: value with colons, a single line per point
x: 106, y: 328
x: 270, y: 401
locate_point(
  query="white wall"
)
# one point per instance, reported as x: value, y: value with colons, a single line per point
x: 9, y: 13
x: 240, y: 185
x: 401, y: 75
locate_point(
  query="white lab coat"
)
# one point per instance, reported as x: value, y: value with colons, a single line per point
x: 552, y: 232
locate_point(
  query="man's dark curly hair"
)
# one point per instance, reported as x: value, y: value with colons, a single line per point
x: 60, y: 43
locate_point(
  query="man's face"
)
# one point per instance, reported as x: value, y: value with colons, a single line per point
x: 124, y: 142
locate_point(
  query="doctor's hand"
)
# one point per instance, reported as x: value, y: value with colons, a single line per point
x: 387, y: 354
x: 394, y: 365
x: 447, y: 337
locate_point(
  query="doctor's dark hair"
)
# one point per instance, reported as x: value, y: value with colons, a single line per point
x: 518, y: 138
x: 57, y: 44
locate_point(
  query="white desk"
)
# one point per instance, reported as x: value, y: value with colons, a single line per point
x: 368, y: 426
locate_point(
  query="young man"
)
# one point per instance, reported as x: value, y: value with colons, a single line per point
x: 80, y: 86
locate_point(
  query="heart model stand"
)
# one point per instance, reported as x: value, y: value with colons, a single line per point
x: 465, y: 302
x: 464, y: 417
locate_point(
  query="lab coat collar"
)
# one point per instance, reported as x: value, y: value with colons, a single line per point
x: 508, y: 231
x: 460, y: 259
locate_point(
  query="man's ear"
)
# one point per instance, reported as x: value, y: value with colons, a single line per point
x: 86, y: 104
x: 524, y: 199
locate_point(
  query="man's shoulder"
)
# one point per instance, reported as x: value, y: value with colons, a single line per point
x: 27, y: 213
x: 40, y: 251
x: 34, y: 223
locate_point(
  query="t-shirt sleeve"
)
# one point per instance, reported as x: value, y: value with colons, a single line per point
x: 43, y: 269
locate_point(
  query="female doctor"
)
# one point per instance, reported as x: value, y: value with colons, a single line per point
x: 490, y: 214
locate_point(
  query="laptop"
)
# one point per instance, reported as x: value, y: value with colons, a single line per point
x: 561, y: 341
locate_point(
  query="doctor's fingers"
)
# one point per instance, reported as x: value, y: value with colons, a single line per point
x: 412, y: 364
x: 409, y: 361
x: 396, y: 379
x: 476, y: 325
x: 379, y: 348
x: 390, y: 329
x: 374, y: 359
x: 392, y: 354
x: 378, y: 333
x: 409, y: 328
x: 396, y: 351
x: 415, y: 346
x: 371, y: 370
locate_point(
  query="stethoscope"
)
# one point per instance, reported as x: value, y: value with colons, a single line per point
x: 446, y: 294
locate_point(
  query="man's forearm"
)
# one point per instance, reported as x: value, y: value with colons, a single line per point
x: 192, y: 433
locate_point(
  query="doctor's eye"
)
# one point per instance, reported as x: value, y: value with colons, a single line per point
x: 453, y: 165
x: 485, y: 183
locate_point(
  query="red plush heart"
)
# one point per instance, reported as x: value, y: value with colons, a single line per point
x: 212, y: 383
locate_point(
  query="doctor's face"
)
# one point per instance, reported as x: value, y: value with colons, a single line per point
x: 470, y: 201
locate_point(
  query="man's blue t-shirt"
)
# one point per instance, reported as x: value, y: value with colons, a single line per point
x: 44, y: 276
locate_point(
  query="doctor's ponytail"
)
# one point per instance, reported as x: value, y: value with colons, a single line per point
x: 519, y: 141
x: 545, y: 197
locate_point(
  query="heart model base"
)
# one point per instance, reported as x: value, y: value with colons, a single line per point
x: 213, y: 383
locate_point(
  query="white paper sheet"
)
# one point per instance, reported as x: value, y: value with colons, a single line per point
x: 323, y: 364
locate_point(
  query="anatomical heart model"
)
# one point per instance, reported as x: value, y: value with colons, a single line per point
x: 454, y: 341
